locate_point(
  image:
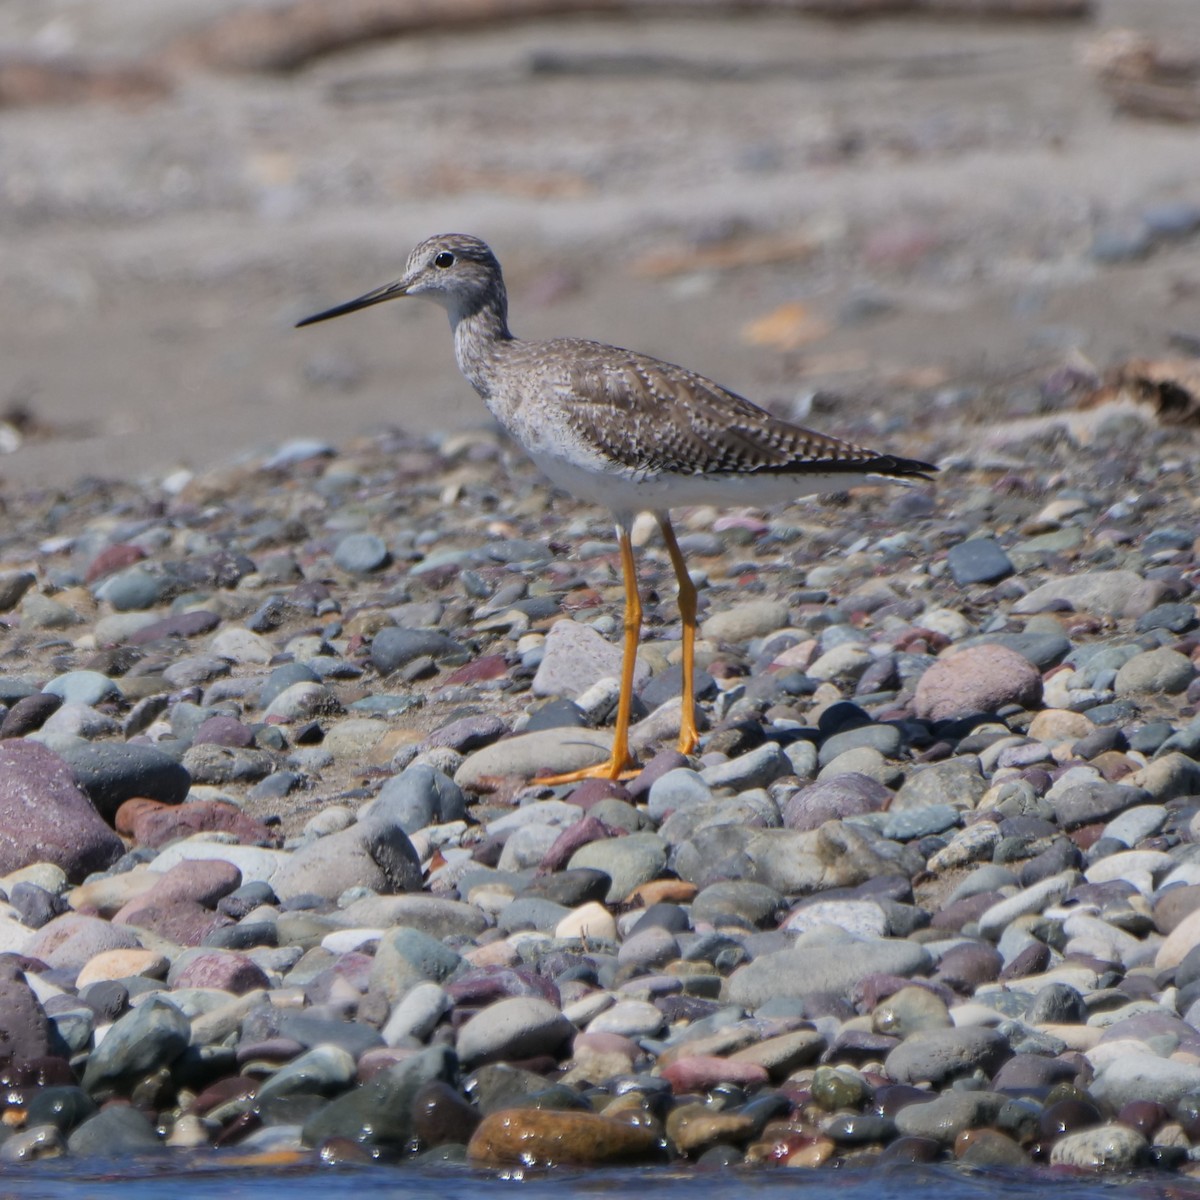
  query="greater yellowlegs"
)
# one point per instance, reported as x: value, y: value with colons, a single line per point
x: 625, y: 431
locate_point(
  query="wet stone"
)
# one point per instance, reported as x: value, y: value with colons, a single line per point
x: 121, y: 1131
x: 148, y: 1037
x: 533, y: 1137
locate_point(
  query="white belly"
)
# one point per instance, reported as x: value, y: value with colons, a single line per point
x: 628, y: 494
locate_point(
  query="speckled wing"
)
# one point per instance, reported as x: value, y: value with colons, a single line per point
x: 655, y: 418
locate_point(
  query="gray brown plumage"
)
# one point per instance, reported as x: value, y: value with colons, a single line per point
x: 624, y: 430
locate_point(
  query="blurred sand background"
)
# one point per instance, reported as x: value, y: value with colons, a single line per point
x: 885, y: 211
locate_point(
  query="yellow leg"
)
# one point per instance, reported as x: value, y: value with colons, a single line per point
x: 689, y: 735
x: 620, y: 763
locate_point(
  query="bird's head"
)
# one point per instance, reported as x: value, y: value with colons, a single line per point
x: 455, y: 270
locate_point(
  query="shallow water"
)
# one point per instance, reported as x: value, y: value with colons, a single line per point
x: 211, y: 1180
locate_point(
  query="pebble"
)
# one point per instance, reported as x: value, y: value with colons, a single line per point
x: 521, y: 1027
x: 533, y: 1138
x: 361, y: 553
x: 275, y: 829
x: 1161, y: 671
x: 979, y: 679
x: 548, y: 751
x: 978, y: 560
x: 744, y: 620
x: 575, y: 657
x: 46, y: 817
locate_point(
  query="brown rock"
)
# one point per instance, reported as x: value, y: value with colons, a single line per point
x: 150, y: 823
x: 108, y: 895
x: 45, y: 816
x: 1059, y: 725
x: 121, y: 964
x: 113, y: 558
x: 663, y: 891
x: 542, y: 1138
x: 203, y: 881
x: 72, y: 940
x: 978, y: 679
x: 1174, y: 904
x: 701, y: 1072
x: 223, y: 969
x: 441, y: 1115
x: 181, y: 921
x: 695, y: 1127
x: 180, y: 905
x: 988, y: 1148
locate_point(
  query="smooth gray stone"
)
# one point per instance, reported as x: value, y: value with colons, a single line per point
x: 531, y: 912
x: 1057, y: 1004
x: 1086, y: 803
x: 754, y: 769
x: 393, y: 647
x: 681, y: 788
x: 1042, y: 649
x: 64, y: 1106
x: 940, y: 1055
x: 368, y: 854
x: 324, y: 1069
x: 886, y: 739
x: 753, y: 902
x: 1144, y: 1076
x: 944, y: 1117
x: 121, y: 1131
x: 111, y: 773
x: 134, y: 589
x: 419, y: 796
x: 628, y: 861
x: 519, y: 1027
x: 361, y: 553
x: 282, y: 678
x: 311, y: 1031
x: 83, y: 687
x: 150, y: 1036
x: 379, y: 1112
x: 957, y: 781
x: 832, y: 967
x: 1111, y: 1147
x: 406, y: 957
x: 978, y: 560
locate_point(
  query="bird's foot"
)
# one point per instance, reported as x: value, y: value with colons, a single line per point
x: 615, y: 770
x: 689, y: 731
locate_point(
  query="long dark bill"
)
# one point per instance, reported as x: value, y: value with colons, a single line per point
x: 389, y: 291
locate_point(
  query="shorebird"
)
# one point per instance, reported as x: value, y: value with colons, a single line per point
x: 625, y: 431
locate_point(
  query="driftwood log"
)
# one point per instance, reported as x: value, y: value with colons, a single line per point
x: 1145, y: 78
x: 289, y: 36
x: 29, y: 82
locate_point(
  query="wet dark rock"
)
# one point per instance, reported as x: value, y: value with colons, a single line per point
x: 380, y: 1111
x: 119, y: 1131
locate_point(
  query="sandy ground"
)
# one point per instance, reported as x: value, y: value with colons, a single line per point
x: 932, y: 190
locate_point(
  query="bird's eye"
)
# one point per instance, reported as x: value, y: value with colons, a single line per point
x: 443, y: 260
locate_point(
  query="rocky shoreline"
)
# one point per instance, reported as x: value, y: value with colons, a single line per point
x: 275, y: 876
